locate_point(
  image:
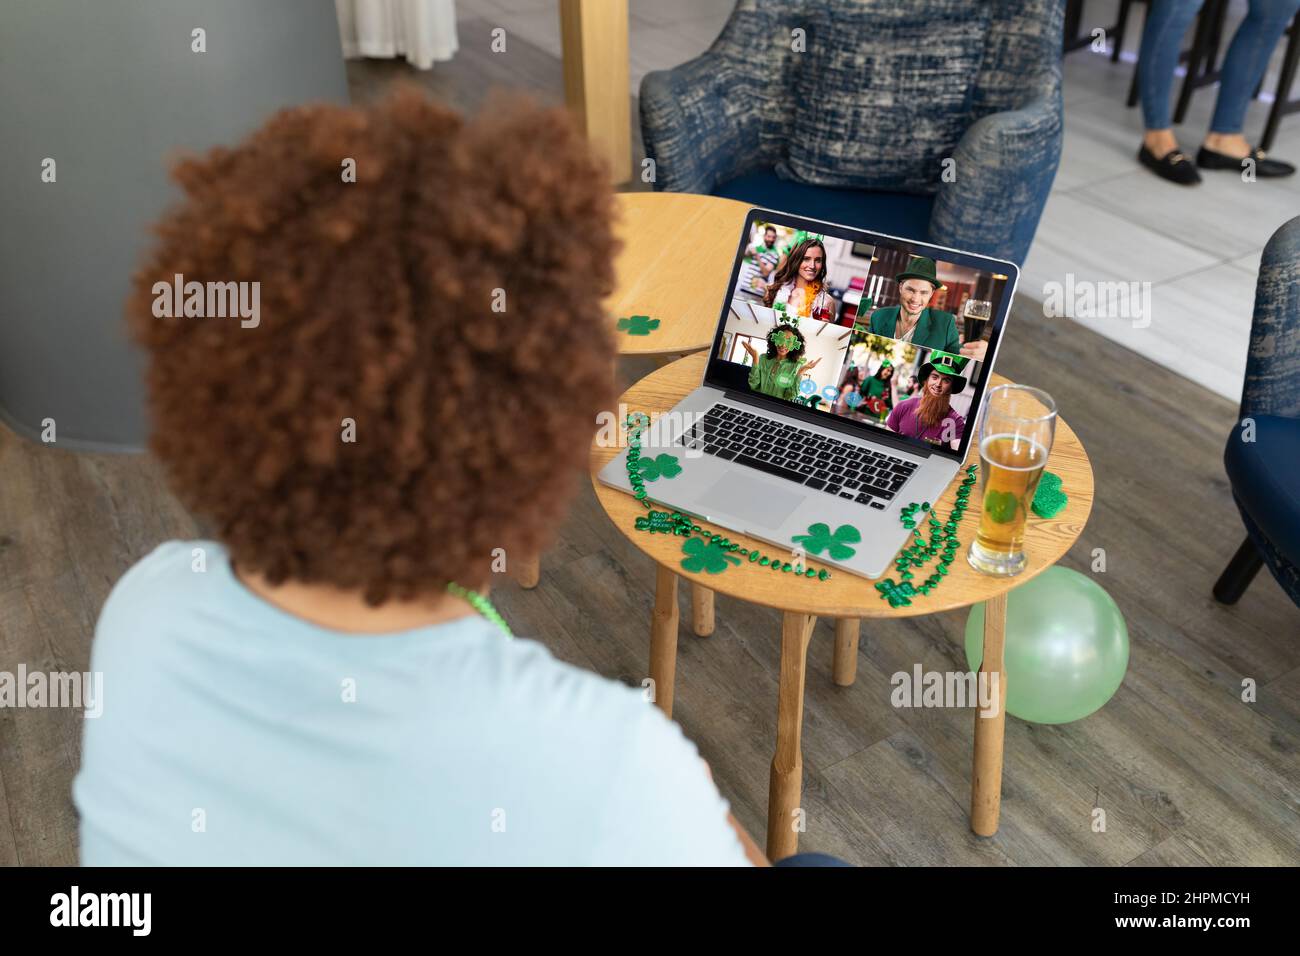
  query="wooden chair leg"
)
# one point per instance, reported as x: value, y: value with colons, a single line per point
x: 702, y: 609
x: 786, y: 782
x: 986, y: 776
x: 844, y: 670
x: 663, y: 638
x: 529, y: 571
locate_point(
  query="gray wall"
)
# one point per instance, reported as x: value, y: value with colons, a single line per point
x: 109, y: 89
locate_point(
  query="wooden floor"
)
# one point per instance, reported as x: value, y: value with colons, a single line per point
x: 1186, y: 772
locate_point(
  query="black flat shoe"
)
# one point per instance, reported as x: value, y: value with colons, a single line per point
x: 1264, y: 168
x: 1174, y: 167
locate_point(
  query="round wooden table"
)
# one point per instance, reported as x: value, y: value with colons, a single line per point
x: 678, y: 252
x: 845, y: 597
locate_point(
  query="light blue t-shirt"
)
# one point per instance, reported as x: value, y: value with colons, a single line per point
x: 235, y: 733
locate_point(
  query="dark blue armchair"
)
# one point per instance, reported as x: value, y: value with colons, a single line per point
x: 930, y: 119
x: 1263, y: 453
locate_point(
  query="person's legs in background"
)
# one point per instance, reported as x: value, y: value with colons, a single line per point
x: 1243, y: 68
x: 1167, y: 23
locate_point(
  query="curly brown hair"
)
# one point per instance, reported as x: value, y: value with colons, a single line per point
x: 377, y: 305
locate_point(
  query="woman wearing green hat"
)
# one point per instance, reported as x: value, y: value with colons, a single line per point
x: 912, y: 320
x: 879, y: 392
x: 777, y: 373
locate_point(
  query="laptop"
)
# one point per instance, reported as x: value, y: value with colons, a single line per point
x: 824, y: 401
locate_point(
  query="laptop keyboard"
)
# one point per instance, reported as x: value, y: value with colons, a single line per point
x: 854, y: 472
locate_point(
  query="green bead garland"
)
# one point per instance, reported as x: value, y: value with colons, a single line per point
x: 678, y: 524
x: 943, y: 544
x: 481, y: 604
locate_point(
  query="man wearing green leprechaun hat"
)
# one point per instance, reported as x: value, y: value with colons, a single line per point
x: 912, y: 320
x: 929, y: 415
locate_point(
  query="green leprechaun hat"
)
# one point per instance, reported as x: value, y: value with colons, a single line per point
x: 919, y: 267
x: 945, y: 363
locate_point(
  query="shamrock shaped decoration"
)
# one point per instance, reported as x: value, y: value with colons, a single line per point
x: 1000, y: 506
x: 898, y: 595
x: 819, y: 539
x: 638, y: 325
x: 708, y: 557
x: 660, y: 466
x: 1049, y: 499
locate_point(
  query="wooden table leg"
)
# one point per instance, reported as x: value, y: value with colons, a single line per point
x: 663, y: 638
x: 529, y: 571
x: 597, y: 79
x: 786, y: 781
x: 844, y: 670
x: 702, y: 609
x: 986, y: 777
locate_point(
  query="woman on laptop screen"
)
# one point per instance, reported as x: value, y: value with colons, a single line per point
x: 800, y: 283
x: 777, y: 373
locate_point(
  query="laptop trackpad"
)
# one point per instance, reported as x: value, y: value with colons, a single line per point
x: 759, y: 503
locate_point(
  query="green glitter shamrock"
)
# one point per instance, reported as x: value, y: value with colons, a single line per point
x: 898, y: 595
x: 638, y: 325
x: 1000, y: 506
x: 711, y: 558
x: 1049, y: 499
x: 819, y: 539
x: 660, y: 466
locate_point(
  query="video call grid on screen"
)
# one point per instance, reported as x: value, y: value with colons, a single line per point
x: 851, y: 373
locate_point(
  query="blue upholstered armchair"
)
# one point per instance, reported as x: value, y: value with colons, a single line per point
x: 1263, y: 453
x: 929, y: 119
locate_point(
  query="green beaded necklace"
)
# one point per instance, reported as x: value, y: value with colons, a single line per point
x: 679, y: 524
x: 481, y: 604
x: 943, y: 538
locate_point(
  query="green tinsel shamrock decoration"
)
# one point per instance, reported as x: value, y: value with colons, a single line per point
x: 660, y: 466
x: 898, y: 595
x: 711, y: 558
x: 638, y: 325
x: 819, y: 539
x: 1000, y: 506
x: 1049, y: 499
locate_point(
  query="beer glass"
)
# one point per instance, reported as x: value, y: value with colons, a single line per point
x: 1016, y: 432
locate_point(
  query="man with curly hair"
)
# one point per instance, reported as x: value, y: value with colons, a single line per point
x: 318, y: 686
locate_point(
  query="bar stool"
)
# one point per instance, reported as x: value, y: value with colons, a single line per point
x: 1282, y: 102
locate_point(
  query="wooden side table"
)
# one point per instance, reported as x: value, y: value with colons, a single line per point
x: 845, y: 597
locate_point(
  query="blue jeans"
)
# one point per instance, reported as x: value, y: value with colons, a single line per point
x: 811, y: 859
x: 1243, y: 67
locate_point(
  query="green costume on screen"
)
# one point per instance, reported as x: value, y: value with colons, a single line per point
x: 934, y: 329
x: 778, y: 378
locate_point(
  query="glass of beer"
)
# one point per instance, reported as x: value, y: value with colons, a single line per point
x: 1016, y: 433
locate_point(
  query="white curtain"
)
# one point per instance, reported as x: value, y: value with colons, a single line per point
x: 423, y: 31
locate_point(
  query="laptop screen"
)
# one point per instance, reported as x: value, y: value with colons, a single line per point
x: 861, y: 331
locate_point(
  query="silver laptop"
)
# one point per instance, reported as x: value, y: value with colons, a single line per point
x: 824, y: 402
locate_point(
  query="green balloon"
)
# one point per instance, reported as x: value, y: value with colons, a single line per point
x: 1066, y: 649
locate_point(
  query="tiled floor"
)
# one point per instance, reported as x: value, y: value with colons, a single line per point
x: 1107, y: 220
